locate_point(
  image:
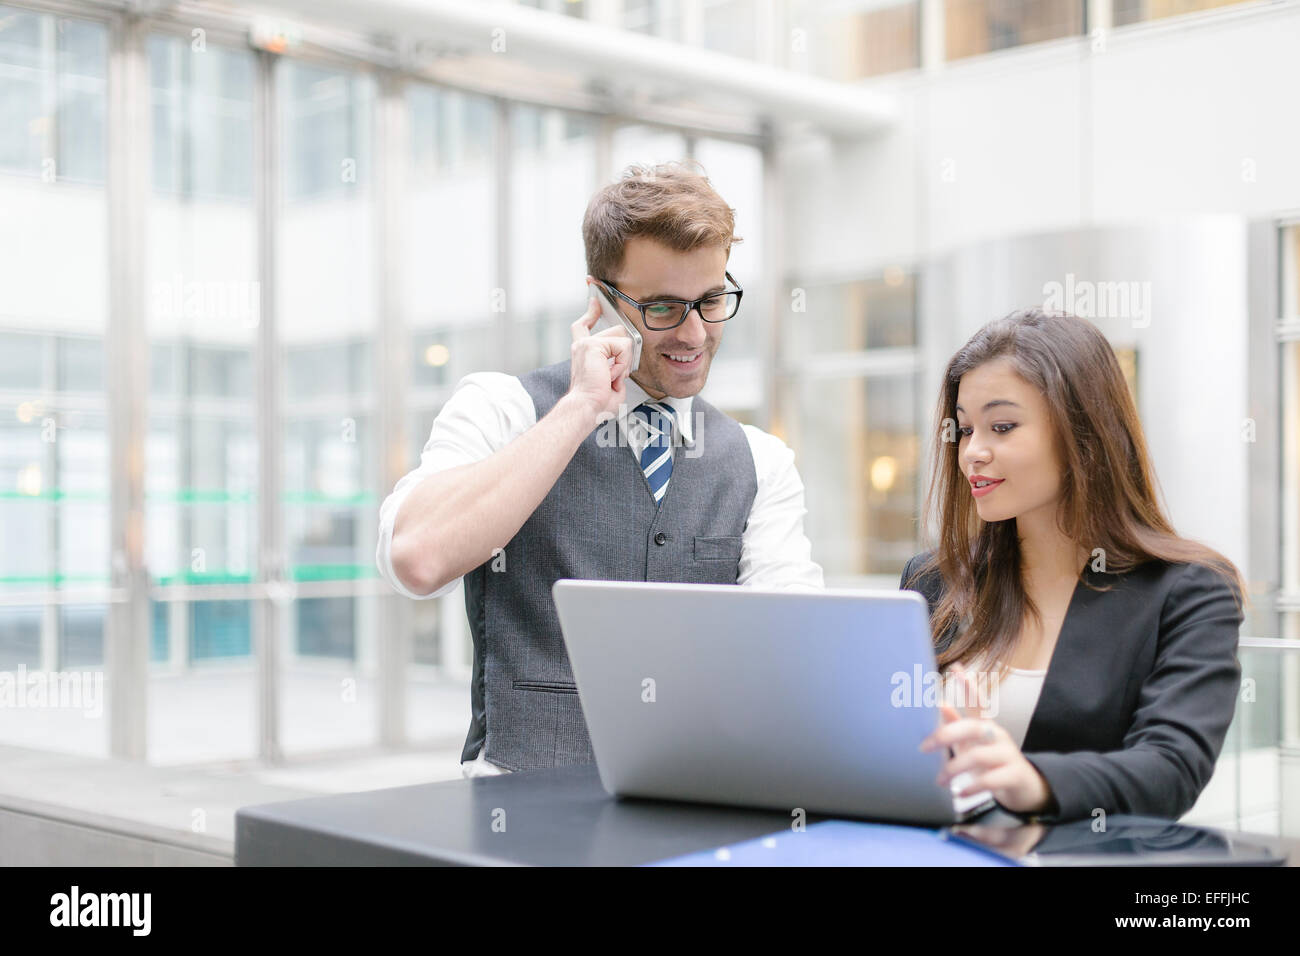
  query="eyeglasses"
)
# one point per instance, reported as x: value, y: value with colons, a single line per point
x: 660, y: 315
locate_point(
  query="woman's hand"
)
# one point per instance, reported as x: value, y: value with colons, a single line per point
x: 996, y: 763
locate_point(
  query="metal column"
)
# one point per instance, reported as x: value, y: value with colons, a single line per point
x: 392, y: 143
x: 272, y: 606
x: 126, y: 652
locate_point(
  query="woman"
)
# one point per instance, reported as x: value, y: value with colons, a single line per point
x: 1112, y: 641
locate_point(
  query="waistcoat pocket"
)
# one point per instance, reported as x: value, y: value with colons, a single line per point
x: 726, y: 548
x: 546, y: 686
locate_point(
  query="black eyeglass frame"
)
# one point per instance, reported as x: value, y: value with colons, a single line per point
x: 738, y: 292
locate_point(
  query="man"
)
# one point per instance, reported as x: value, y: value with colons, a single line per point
x: 580, y: 470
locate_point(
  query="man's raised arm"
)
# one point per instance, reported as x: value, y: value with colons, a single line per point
x: 451, y: 521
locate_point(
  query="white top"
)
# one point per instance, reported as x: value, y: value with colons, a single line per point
x: 488, y: 410
x: 1011, y: 701
x: 1017, y: 699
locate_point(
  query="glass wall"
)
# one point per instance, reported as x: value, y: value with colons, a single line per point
x: 736, y: 172
x: 662, y: 18
x: 1289, y: 382
x: 449, y: 273
x: 730, y: 27
x: 54, y: 508
x: 552, y: 176
x: 847, y: 405
x: 326, y: 301
x: 972, y: 27
x: 452, y: 302
x: 634, y: 143
x: 851, y: 41
x: 571, y: 8
x: 1288, y: 708
x: 736, y: 380
x: 1135, y: 11
x: 201, y: 478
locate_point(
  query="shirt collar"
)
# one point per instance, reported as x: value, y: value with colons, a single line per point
x: 681, y: 410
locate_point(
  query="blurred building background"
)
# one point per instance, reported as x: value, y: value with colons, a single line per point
x: 248, y: 249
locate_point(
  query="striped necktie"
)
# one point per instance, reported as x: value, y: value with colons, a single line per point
x: 657, y: 456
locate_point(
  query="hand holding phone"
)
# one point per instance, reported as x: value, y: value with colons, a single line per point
x: 612, y: 318
x: 599, y: 363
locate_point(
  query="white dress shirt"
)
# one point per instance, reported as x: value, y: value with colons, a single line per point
x: 488, y: 410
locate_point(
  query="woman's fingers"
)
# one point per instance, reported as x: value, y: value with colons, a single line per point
x: 964, y: 730
x: 984, y: 757
x: 998, y: 778
x: 947, y: 715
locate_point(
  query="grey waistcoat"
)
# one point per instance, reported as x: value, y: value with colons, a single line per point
x: 598, y: 521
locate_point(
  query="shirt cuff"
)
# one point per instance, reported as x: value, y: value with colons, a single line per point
x: 384, y: 561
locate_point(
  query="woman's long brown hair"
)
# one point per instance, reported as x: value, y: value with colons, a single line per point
x: 1108, y: 489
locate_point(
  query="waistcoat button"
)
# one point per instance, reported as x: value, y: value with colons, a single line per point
x: 660, y: 538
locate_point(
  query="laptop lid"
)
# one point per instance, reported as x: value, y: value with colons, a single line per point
x: 723, y: 694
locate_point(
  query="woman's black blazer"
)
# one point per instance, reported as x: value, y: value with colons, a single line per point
x: 1139, y: 692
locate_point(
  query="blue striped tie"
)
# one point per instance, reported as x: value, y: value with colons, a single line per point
x: 657, y: 456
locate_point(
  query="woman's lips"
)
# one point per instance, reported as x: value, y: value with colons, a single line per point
x: 981, y: 492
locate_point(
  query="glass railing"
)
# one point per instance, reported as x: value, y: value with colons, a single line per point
x: 1256, y: 783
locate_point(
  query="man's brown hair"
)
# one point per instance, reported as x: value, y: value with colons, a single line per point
x: 670, y: 203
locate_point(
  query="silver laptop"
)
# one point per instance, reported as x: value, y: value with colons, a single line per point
x: 787, y: 700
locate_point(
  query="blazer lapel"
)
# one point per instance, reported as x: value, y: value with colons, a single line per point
x: 1069, y: 659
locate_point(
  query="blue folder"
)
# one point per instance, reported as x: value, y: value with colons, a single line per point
x: 845, y: 843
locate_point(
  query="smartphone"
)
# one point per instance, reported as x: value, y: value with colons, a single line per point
x: 611, y: 317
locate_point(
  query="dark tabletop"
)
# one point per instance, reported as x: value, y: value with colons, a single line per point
x: 544, y: 817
